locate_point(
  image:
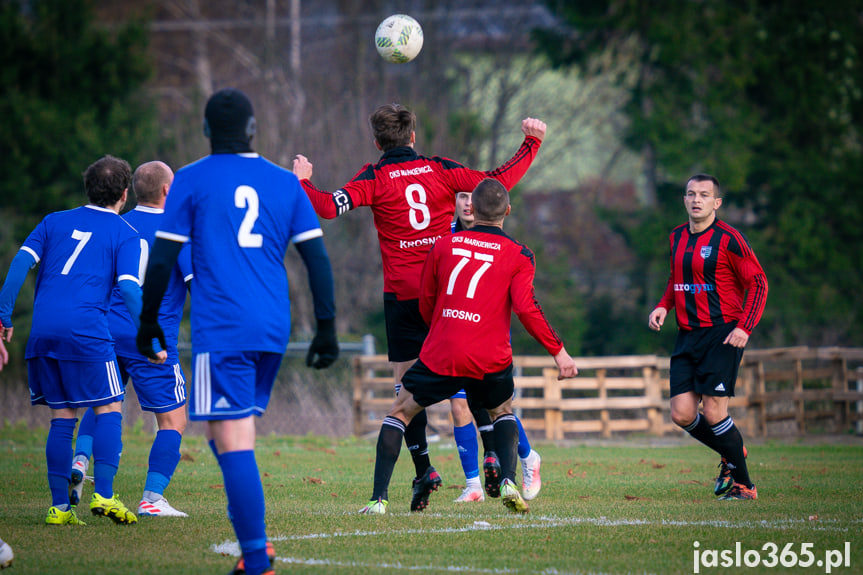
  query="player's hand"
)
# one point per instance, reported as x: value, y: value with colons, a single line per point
x: 4, y: 354
x: 566, y: 365
x: 303, y: 167
x: 737, y: 338
x: 325, y: 345
x: 533, y: 127
x: 657, y: 318
x: 6, y: 330
x: 144, y: 340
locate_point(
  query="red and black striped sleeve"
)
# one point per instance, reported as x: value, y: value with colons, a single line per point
x: 748, y: 270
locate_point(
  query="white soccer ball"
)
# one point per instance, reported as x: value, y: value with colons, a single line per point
x: 399, y: 39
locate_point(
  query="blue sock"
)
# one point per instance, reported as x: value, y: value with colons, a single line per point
x: 523, y: 443
x: 468, y: 449
x: 107, y: 445
x: 164, y: 457
x: 246, y: 504
x: 84, y: 442
x: 58, y: 455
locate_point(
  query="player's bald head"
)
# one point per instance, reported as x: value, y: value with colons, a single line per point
x: 149, y: 179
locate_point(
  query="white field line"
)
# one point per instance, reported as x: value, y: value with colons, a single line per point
x: 540, y: 522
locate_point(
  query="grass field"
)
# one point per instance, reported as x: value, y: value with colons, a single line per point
x: 622, y: 507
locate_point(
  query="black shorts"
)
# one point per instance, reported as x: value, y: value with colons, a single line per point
x: 429, y: 388
x: 406, y: 329
x: 701, y: 363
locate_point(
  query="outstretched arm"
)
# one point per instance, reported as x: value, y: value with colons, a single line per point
x: 516, y: 167
x: 326, y: 204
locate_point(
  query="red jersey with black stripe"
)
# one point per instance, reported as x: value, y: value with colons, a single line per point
x: 412, y: 198
x: 715, y: 279
x: 472, y: 282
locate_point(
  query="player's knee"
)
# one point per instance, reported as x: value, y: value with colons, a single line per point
x: 714, y: 413
x: 682, y: 417
x: 461, y: 414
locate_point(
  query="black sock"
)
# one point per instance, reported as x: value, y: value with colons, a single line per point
x: 506, y: 440
x: 389, y: 446
x: 486, y: 429
x: 415, y: 439
x: 731, y: 444
x: 700, y: 430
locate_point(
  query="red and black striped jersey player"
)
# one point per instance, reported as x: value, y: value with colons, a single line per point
x: 718, y: 291
x: 412, y: 198
x: 472, y: 282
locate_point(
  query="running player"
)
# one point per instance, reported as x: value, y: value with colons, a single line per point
x: 412, y: 198
x: 239, y: 212
x: 160, y: 388
x: 472, y: 282
x: 712, y: 265
x: 82, y: 254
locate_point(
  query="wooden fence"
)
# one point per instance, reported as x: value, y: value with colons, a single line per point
x: 788, y: 390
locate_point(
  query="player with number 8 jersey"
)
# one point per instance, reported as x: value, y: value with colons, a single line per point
x: 412, y: 197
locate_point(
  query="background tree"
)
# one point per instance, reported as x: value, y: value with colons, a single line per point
x: 71, y: 93
x: 767, y: 96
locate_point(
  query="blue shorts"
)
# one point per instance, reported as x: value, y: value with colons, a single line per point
x: 160, y: 387
x: 61, y: 384
x: 231, y: 384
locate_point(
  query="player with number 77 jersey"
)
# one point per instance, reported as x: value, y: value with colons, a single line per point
x: 472, y: 282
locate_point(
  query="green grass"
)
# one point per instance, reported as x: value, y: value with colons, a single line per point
x: 622, y: 507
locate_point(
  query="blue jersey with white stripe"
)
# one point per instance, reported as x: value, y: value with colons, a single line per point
x: 146, y: 220
x: 240, y: 212
x: 82, y: 253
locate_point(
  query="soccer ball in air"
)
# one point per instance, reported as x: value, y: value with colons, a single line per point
x: 399, y: 39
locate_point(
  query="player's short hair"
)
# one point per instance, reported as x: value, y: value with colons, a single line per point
x: 229, y: 115
x: 490, y: 200
x: 106, y: 179
x: 392, y: 125
x: 148, y: 179
x: 717, y: 191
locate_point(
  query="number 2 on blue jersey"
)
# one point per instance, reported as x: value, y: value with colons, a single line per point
x: 247, y: 197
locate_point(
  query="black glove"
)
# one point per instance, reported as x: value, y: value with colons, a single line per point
x: 146, y: 334
x: 324, y: 345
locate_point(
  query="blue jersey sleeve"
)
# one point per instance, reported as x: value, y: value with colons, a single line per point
x: 21, y: 264
x: 184, y: 262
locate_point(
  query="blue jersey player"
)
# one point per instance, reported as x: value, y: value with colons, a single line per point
x: 239, y: 212
x: 160, y: 388
x: 82, y: 254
